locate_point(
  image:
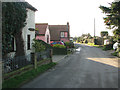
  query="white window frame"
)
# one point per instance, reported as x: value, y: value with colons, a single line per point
x: 62, y: 34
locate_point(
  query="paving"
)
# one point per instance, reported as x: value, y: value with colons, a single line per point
x: 57, y: 58
x: 88, y: 67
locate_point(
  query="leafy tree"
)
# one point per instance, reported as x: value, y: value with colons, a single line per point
x: 112, y: 19
x: 104, y: 33
x: 13, y: 20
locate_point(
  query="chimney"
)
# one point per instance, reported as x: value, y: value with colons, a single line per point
x: 68, y: 27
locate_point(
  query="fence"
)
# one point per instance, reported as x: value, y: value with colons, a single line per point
x: 59, y: 51
x: 12, y: 64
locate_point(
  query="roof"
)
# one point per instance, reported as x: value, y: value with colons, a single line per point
x: 55, y: 31
x: 41, y: 27
x: 30, y: 6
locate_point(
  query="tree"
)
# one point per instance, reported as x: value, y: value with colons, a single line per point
x: 13, y: 20
x: 112, y: 19
x: 104, y: 33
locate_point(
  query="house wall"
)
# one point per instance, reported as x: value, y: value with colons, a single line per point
x: 40, y: 38
x: 30, y: 24
x: 64, y: 39
x: 47, y: 33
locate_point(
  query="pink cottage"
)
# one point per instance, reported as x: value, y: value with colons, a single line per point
x: 42, y: 32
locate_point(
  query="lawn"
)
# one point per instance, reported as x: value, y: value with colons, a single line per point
x: 19, y: 80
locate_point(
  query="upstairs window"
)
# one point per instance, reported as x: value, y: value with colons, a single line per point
x: 62, y: 34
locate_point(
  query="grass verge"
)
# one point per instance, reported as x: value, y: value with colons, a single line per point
x: 19, y: 80
x: 114, y: 54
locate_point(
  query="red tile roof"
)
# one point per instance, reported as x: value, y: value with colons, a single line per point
x: 41, y: 27
x: 55, y: 31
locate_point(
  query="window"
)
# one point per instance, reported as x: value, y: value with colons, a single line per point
x: 47, y: 38
x: 28, y: 42
x: 62, y: 34
x: 12, y: 43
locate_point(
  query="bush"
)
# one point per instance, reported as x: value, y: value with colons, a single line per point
x: 38, y: 46
x: 59, y: 46
x: 108, y: 47
x: 86, y: 41
x: 69, y: 44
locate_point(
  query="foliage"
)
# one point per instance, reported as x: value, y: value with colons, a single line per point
x: 59, y: 46
x: 104, y: 33
x: 114, y: 54
x: 84, y: 37
x: 112, y: 19
x: 69, y: 44
x: 38, y: 46
x: 108, y: 47
x: 13, y: 20
x: 16, y: 81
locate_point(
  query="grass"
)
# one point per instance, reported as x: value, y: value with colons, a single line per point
x: 114, y: 54
x: 19, y: 80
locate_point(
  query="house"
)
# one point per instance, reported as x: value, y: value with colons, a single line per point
x: 28, y: 32
x: 42, y: 32
x: 59, y: 32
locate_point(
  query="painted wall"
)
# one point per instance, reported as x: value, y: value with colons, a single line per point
x: 64, y: 39
x: 40, y: 38
x: 47, y: 33
x: 30, y: 24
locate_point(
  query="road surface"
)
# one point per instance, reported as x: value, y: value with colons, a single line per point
x: 88, y: 67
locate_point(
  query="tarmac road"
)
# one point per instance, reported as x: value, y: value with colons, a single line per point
x: 88, y: 67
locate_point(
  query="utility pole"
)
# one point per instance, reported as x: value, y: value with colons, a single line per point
x: 94, y: 27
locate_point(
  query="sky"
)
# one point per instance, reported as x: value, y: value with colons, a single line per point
x: 79, y: 13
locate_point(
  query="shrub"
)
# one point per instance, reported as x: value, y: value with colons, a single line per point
x: 59, y: 46
x: 38, y: 46
x: 69, y: 44
x: 108, y: 47
x: 86, y: 41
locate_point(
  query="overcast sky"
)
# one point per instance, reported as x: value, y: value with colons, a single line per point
x: 79, y: 13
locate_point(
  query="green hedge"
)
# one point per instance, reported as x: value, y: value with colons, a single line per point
x: 59, y: 46
x: 59, y: 51
x: 108, y: 47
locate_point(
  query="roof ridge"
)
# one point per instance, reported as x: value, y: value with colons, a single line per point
x: 41, y: 23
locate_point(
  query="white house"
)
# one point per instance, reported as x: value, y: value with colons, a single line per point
x: 28, y: 31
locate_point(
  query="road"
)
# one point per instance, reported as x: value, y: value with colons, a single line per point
x: 88, y: 67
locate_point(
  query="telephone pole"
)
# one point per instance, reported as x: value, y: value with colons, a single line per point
x: 94, y: 27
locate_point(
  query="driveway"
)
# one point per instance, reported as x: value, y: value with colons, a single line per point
x: 88, y: 67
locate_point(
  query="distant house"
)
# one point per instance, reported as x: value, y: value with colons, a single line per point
x: 28, y: 31
x: 42, y: 32
x: 59, y: 32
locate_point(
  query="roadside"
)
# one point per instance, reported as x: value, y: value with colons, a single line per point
x: 108, y: 49
x: 57, y: 58
x: 78, y: 70
x: 26, y: 76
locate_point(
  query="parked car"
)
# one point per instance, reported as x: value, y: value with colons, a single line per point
x: 58, y: 42
x: 115, y: 45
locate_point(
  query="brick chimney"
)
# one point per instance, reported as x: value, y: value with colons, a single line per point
x: 68, y: 27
